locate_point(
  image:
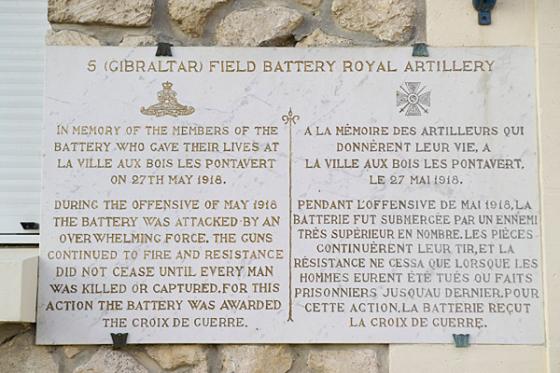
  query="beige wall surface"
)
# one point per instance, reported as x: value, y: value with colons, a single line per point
x: 454, y: 23
x: 475, y: 359
x: 548, y: 60
x: 525, y: 23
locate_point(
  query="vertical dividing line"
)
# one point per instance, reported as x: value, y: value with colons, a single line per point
x: 290, y: 312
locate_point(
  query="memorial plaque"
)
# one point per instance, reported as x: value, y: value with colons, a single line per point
x: 290, y: 196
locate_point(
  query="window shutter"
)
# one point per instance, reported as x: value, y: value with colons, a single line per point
x: 23, y: 25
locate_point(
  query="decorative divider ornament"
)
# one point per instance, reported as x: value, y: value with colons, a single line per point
x: 290, y: 120
x: 168, y: 104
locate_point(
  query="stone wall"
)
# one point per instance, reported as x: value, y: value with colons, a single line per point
x: 19, y: 354
x: 299, y: 23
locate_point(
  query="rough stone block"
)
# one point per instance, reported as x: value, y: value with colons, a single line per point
x: 68, y: 37
x: 311, y: 3
x: 319, y: 39
x: 21, y: 355
x: 110, y: 12
x: 258, y: 26
x: 9, y: 330
x: 138, y: 41
x: 175, y: 356
x: 71, y: 351
x: 256, y: 359
x: 387, y: 20
x: 106, y: 360
x: 191, y: 15
x: 337, y: 359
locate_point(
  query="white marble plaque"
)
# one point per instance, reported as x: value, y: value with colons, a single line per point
x: 290, y: 196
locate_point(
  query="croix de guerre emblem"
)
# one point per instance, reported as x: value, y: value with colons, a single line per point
x: 167, y: 104
x: 413, y: 98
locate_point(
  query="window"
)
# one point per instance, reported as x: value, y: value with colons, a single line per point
x: 23, y: 25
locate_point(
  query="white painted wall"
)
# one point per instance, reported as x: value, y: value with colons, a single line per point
x: 18, y: 284
x: 548, y: 54
x: 516, y: 23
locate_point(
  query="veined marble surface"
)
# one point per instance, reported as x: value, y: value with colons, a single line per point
x: 236, y: 195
